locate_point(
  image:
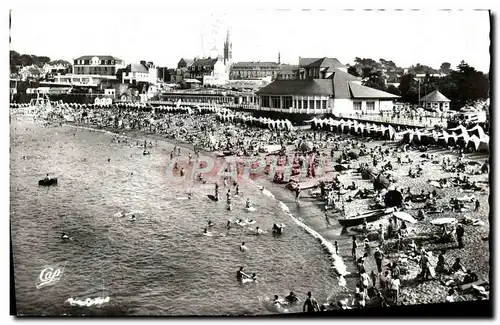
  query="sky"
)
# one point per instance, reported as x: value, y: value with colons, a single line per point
x: 166, y: 34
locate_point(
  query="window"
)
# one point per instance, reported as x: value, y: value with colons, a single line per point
x: 265, y: 101
x: 112, y: 62
x: 324, y: 104
x: 287, y: 102
x: 311, y: 104
x: 305, y: 104
x: 299, y: 102
x: 370, y: 106
x: 318, y: 104
x: 357, y: 106
x: 275, y: 101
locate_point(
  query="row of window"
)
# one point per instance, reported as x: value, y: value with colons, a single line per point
x: 102, y: 62
x: 288, y: 101
x: 97, y: 70
x: 370, y: 106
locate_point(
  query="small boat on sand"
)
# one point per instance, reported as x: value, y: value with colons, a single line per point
x: 47, y: 182
x: 369, y: 216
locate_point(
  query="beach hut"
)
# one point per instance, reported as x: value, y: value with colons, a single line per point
x: 477, y: 130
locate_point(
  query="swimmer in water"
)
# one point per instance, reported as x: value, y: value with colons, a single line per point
x: 210, y: 224
x: 240, y: 274
x: 248, y: 204
x: 109, y: 160
x: 228, y: 225
x: 258, y: 231
x: 205, y: 231
x: 182, y: 172
x: 64, y: 236
x: 132, y: 218
x: 254, y: 277
x: 243, y: 248
x: 190, y: 195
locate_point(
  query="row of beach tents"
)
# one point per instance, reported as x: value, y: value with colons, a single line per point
x: 261, y: 121
x: 354, y: 127
x: 474, y: 138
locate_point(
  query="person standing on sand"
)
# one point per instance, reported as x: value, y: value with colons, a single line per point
x: 336, y: 248
x: 297, y: 193
x: 460, y: 234
x: 379, y: 257
x: 381, y: 235
x: 354, y: 247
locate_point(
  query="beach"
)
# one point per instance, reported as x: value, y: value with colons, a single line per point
x: 308, y: 215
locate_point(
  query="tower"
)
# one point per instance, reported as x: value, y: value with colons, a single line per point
x: 228, y: 49
x: 279, y: 57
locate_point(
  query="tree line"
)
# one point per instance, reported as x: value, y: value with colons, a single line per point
x: 21, y: 60
x: 462, y: 85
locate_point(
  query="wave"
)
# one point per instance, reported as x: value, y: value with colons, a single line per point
x: 89, y: 302
x: 337, y: 263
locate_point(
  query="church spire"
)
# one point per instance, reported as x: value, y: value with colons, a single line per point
x: 228, y: 48
x: 279, y: 57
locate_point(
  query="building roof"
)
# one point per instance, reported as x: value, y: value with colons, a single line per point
x: 340, y: 84
x: 188, y: 62
x: 136, y: 67
x: 435, y: 96
x: 325, y: 63
x: 298, y: 87
x: 101, y: 57
x: 204, y: 62
x: 360, y: 91
x: 320, y: 62
x: 306, y: 61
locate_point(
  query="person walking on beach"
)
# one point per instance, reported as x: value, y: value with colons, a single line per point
x: 379, y: 257
x: 373, y: 277
x: 297, y: 193
x: 354, y: 247
x: 311, y: 304
x: 460, y: 235
x: 381, y: 235
x: 336, y: 248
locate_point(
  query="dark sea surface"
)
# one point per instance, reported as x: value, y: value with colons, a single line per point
x: 159, y: 265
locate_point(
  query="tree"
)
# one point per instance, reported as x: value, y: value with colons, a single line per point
x: 393, y: 90
x: 408, y: 88
x: 353, y: 71
x: 375, y: 80
x: 445, y: 67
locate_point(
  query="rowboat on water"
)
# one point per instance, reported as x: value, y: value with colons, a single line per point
x: 369, y: 216
x: 47, y: 182
x: 302, y: 185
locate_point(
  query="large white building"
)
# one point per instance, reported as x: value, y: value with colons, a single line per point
x: 340, y: 93
x: 143, y: 72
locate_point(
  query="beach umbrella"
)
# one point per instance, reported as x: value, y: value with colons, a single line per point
x: 443, y: 221
x: 393, y: 198
x: 405, y: 217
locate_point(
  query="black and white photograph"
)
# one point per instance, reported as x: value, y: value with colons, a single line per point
x: 183, y: 161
